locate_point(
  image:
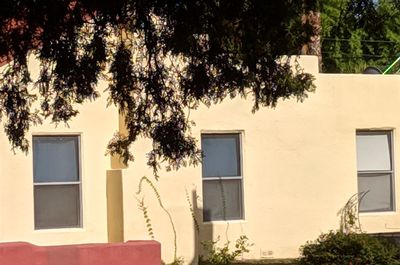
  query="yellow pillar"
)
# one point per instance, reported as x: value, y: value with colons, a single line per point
x: 115, y: 211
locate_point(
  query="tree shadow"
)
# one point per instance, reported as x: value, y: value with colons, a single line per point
x: 201, y: 232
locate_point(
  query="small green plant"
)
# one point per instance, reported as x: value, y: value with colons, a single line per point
x: 177, y: 261
x: 349, y: 217
x: 223, y: 255
x: 157, y: 194
x: 338, y: 248
x: 192, y: 212
x: 147, y: 219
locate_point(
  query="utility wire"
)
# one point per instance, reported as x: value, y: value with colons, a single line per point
x: 347, y: 40
x: 349, y: 55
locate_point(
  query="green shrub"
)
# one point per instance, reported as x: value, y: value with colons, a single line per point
x: 338, y: 248
x: 223, y: 256
x: 177, y: 261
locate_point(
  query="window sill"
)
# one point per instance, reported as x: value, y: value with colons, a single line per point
x: 223, y: 222
x: 378, y: 213
x: 60, y: 230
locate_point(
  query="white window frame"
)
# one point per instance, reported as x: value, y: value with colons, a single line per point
x: 239, y: 136
x: 79, y: 183
x: 391, y: 172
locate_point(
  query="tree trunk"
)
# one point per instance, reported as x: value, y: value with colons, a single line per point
x: 313, y: 47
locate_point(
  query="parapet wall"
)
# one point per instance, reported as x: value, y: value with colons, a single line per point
x: 131, y: 252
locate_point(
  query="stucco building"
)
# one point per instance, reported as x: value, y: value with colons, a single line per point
x: 279, y: 176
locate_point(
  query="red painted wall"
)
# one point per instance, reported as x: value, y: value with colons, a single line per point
x: 129, y: 253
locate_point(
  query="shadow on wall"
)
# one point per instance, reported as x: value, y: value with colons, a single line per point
x: 201, y: 232
x: 207, y: 242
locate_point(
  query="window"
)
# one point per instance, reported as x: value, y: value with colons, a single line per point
x: 375, y: 171
x: 222, y: 177
x: 56, y: 170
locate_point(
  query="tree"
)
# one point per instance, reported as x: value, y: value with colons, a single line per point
x: 359, y: 33
x: 161, y: 58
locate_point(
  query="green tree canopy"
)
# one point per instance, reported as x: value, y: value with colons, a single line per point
x: 225, y: 48
x: 359, y: 33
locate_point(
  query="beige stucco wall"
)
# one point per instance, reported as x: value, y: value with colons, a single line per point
x: 95, y: 124
x: 299, y: 168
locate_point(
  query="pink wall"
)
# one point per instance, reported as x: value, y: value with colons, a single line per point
x: 129, y: 253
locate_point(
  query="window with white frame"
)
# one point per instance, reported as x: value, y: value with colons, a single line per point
x: 222, y: 177
x: 57, y: 181
x: 375, y: 171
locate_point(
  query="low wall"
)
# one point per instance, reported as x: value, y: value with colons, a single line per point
x: 131, y: 252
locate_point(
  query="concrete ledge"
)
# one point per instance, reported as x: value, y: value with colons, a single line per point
x: 131, y: 252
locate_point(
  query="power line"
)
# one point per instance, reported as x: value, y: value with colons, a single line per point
x: 349, y: 55
x: 372, y: 41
